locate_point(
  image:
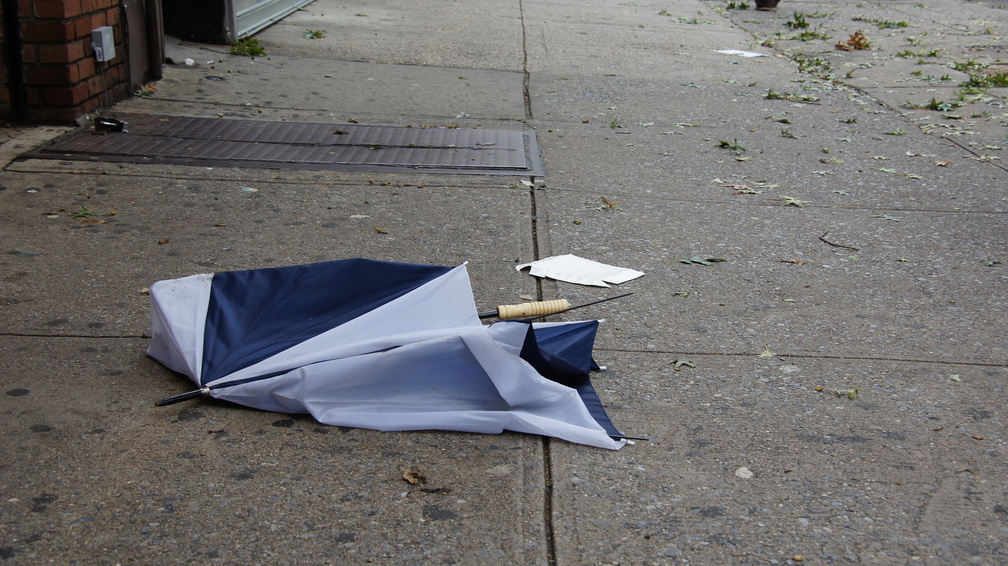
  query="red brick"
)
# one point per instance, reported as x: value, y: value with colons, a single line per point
x: 78, y: 50
x: 66, y: 96
x: 33, y: 95
x: 57, y: 9
x: 24, y: 9
x: 90, y: 106
x: 29, y: 54
x: 5, y: 96
x: 113, y: 17
x: 82, y: 27
x: 66, y: 53
x: 95, y: 85
x: 98, y: 20
x: 86, y: 67
x: 52, y: 31
x: 51, y: 75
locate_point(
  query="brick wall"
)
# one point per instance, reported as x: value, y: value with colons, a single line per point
x: 5, y: 91
x: 62, y: 81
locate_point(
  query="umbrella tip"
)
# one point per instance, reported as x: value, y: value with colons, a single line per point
x: 182, y: 397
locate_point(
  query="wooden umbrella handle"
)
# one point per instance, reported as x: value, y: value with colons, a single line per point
x: 526, y: 310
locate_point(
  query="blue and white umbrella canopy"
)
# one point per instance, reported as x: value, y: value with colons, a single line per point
x: 379, y: 345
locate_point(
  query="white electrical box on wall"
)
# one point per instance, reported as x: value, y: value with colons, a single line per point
x: 103, y: 43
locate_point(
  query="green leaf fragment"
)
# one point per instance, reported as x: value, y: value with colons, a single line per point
x: 682, y: 363
x: 848, y: 393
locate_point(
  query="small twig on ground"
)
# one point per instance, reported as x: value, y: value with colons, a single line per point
x: 823, y: 238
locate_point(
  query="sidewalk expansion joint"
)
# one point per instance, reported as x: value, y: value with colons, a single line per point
x: 525, y: 67
x: 784, y: 355
x: 548, y: 532
x: 551, y: 557
x: 86, y: 336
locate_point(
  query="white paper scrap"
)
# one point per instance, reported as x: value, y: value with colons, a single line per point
x: 574, y: 269
x: 741, y: 53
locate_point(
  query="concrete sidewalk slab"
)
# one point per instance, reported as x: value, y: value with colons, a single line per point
x: 907, y: 470
x: 898, y: 295
x: 164, y: 227
x: 211, y: 482
x: 903, y: 473
x: 232, y: 86
x: 471, y: 35
x: 921, y: 56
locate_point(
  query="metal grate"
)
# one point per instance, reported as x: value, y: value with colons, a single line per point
x: 216, y: 142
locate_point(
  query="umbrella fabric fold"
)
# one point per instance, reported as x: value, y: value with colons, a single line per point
x: 377, y: 345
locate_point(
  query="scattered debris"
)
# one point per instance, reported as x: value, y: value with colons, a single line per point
x: 414, y: 476
x: 606, y: 205
x: 741, y: 53
x: 848, y: 393
x: 146, y: 90
x: 696, y: 260
x: 248, y: 46
x: 886, y: 216
x: 774, y: 95
x: 574, y: 269
x: 682, y: 363
x: 733, y: 145
x: 856, y: 42
x: 766, y: 353
x: 824, y: 240
x: 84, y: 212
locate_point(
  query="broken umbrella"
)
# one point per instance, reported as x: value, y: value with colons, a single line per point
x: 379, y: 345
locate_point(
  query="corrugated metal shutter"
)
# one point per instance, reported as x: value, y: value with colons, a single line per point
x: 253, y: 15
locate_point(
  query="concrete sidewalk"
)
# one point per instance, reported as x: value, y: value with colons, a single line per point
x: 831, y: 393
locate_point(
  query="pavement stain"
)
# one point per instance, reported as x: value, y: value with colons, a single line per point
x: 243, y: 475
x: 41, y: 502
x: 187, y: 415
x: 438, y: 513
